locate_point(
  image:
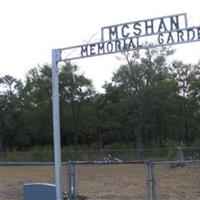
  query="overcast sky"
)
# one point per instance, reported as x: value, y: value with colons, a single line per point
x: 29, y: 29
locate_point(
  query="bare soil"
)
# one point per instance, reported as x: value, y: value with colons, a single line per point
x: 107, y: 182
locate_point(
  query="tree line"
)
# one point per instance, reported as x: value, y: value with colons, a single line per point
x: 149, y: 102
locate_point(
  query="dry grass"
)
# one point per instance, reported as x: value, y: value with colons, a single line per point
x: 110, y: 182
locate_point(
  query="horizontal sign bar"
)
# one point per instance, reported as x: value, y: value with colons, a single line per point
x: 174, y: 37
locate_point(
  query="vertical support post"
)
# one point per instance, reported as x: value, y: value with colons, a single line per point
x: 151, y: 193
x: 56, y: 123
x: 71, y: 181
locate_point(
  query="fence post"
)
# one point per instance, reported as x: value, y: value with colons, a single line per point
x: 179, y: 154
x: 151, y: 192
x: 71, y: 181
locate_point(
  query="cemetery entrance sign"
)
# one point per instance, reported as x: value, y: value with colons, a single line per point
x: 160, y: 31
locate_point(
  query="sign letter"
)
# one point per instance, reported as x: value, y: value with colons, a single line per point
x: 113, y: 33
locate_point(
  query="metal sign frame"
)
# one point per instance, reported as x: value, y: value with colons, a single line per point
x: 175, y: 34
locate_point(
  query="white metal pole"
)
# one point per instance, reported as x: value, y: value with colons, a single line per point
x: 56, y: 123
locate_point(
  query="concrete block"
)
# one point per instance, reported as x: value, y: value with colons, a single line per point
x: 39, y: 191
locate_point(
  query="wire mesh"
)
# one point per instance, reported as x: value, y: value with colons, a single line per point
x: 13, y: 177
x: 177, y: 181
x: 108, y: 182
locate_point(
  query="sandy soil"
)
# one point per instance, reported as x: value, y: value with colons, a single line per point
x: 110, y: 182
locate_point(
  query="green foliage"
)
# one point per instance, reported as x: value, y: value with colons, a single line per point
x: 118, y: 146
x: 148, y: 103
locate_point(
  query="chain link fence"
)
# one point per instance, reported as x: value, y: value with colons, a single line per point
x: 109, y: 174
x: 173, y: 180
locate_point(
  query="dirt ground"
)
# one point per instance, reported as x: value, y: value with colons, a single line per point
x: 108, y: 182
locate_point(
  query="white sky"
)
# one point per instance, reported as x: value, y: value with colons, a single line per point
x: 29, y: 29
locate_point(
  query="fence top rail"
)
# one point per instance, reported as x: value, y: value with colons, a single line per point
x: 174, y: 162
x: 71, y: 162
x: 98, y: 162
